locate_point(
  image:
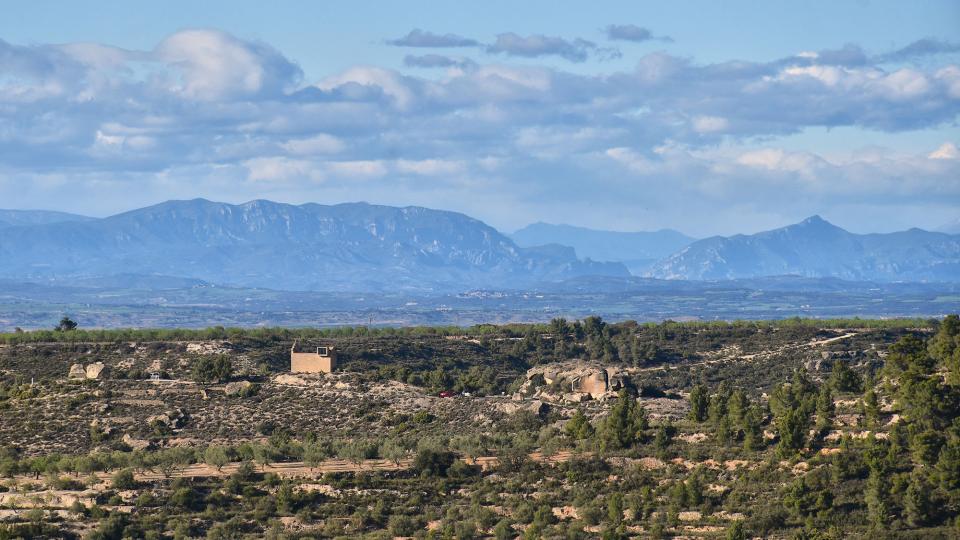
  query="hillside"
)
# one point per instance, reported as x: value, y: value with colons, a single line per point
x: 309, y: 247
x: 584, y: 429
x: 637, y: 250
x: 817, y: 248
x: 13, y: 218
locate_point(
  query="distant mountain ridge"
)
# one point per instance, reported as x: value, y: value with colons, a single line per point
x: 353, y: 246
x: 817, y: 248
x: 638, y: 250
x: 14, y: 218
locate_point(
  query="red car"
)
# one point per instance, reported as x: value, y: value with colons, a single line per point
x: 447, y: 393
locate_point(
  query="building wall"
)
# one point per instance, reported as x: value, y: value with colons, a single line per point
x: 311, y: 363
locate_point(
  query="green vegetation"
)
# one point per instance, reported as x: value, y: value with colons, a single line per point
x: 786, y: 430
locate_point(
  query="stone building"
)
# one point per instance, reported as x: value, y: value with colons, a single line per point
x: 323, y: 360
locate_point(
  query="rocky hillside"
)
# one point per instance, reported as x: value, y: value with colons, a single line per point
x: 13, y: 218
x: 280, y: 246
x: 817, y: 248
x: 638, y: 250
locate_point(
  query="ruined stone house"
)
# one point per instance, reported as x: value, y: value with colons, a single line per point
x: 323, y: 360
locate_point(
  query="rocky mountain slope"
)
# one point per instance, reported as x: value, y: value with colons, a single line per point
x: 12, y: 218
x: 638, y: 250
x: 817, y: 248
x: 271, y: 245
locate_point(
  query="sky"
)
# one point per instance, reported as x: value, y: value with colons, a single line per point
x: 706, y: 117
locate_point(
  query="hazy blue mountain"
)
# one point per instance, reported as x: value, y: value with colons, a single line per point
x: 637, y: 250
x: 9, y: 218
x: 816, y: 248
x: 309, y: 247
x: 950, y: 228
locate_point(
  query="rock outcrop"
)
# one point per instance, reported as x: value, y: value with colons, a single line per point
x: 572, y: 382
x: 95, y: 370
x: 237, y: 388
x: 77, y: 372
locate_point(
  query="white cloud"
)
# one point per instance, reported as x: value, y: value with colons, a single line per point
x: 208, y: 112
x: 214, y: 65
x: 430, y: 167
x: 389, y: 82
x: 320, y: 143
x: 710, y: 124
x: 282, y: 169
x: 359, y: 169
x: 947, y: 150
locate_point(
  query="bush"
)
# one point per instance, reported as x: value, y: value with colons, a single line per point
x: 212, y: 369
x: 430, y: 462
x: 400, y: 525
x: 124, y: 479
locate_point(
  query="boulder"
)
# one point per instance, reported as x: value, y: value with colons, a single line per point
x: 172, y: 419
x: 77, y: 372
x: 572, y: 382
x: 593, y: 382
x: 539, y: 408
x: 136, y: 444
x: 576, y: 397
x: 237, y: 388
x: 95, y: 370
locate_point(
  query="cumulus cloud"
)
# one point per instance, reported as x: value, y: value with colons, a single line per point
x: 535, y: 45
x: 205, y: 113
x: 422, y: 38
x: 947, y: 150
x: 213, y: 65
x: 632, y: 32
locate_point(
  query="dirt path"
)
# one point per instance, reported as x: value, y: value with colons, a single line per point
x: 833, y: 339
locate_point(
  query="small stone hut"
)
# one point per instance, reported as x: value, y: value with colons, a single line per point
x: 323, y: 360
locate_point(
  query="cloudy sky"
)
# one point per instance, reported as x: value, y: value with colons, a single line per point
x: 706, y: 117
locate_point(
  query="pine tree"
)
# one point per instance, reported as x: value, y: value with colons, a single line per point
x: 579, y: 427
x: 871, y: 407
x: 752, y: 430
x: 917, y: 506
x: 699, y: 403
x: 625, y: 425
x: 877, y: 498
x: 825, y: 408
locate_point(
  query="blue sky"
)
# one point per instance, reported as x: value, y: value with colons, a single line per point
x: 707, y: 117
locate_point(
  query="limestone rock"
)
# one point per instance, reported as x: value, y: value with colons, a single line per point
x: 292, y: 380
x: 539, y: 408
x: 136, y: 444
x: 77, y: 372
x: 95, y: 370
x: 593, y: 382
x: 173, y: 419
x: 237, y: 388
x: 576, y: 397
x: 572, y: 382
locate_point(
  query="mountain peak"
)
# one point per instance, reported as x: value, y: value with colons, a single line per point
x: 309, y: 247
x: 815, y: 247
x: 816, y: 220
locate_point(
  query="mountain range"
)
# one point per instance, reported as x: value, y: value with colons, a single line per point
x: 637, y: 250
x: 265, y: 244
x: 817, y: 248
x: 13, y: 218
x: 363, y: 247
